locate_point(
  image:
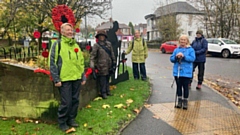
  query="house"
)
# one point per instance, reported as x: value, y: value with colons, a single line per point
x: 142, y: 28
x: 123, y: 34
x: 189, y: 18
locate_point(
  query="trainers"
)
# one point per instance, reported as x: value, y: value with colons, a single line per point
x: 64, y: 127
x: 185, y: 104
x: 198, y: 87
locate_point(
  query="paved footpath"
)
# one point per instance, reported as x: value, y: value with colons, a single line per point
x: 208, y: 112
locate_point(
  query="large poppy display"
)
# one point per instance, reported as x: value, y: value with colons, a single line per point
x: 62, y: 14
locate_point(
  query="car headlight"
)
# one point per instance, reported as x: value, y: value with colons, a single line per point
x: 235, y: 47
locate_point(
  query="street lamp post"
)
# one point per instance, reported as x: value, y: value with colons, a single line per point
x: 206, y: 19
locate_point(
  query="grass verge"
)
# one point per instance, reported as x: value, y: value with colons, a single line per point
x: 100, y: 117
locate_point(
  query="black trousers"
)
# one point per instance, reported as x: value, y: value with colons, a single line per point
x: 136, y: 70
x: 69, y: 93
x: 182, y: 83
x: 201, y: 68
x: 104, y: 84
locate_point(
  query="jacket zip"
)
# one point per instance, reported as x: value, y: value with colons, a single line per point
x: 69, y: 54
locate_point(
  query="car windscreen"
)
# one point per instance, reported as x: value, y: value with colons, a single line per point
x: 227, y: 41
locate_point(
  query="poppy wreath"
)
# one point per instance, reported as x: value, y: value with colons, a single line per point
x: 62, y: 14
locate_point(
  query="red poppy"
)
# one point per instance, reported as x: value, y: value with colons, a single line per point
x: 88, y: 47
x: 37, y: 34
x: 76, y: 50
x: 58, y: 12
x: 96, y: 40
x: 45, y: 54
x: 88, y: 72
x: 44, y: 45
x: 47, y: 72
x: 77, y: 30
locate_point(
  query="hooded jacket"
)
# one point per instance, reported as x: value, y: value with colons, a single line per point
x: 200, y: 45
x: 139, y: 51
x: 100, y: 59
x: 69, y: 65
x: 184, y: 68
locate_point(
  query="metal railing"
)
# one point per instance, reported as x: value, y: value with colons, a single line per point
x: 18, y: 52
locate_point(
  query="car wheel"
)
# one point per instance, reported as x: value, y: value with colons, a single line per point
x: 225, y: 53
x: 163, y: 50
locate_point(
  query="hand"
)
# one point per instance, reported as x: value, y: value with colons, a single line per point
x: 59, y: 84
x: 180, y: 55
x: 83, y: 82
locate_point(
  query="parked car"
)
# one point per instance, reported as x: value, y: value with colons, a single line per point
x: 168, y: 47
x: 223, y: 46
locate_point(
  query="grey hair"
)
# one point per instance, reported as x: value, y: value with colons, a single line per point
x: 64, y: 25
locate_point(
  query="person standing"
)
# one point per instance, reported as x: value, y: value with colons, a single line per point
x: 183, y: 57
x: 200, y: 45
x: 139, y: 54
x: 67, y: 71
x: 102, y: 58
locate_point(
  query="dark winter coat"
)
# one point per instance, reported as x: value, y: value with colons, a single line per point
x: 200, y: 45
x: 100, y: 59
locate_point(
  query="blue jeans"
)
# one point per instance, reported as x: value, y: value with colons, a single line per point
x: 136, y: 70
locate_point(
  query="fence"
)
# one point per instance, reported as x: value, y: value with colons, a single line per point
x: 18, y: 52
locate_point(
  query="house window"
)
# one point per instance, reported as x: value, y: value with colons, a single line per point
x: 148, y: 22
x: 190, y: 33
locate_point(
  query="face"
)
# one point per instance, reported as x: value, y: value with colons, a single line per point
x: 67, y: 31
x: 199, y: 35
x: 101, y: 37
x: 137, y: 34
x: 183, y: 41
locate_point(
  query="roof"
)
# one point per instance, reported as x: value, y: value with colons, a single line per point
x: 176, y: 8
x: 108, y: 25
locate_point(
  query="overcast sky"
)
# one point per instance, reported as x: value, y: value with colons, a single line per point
x: 125, y: 11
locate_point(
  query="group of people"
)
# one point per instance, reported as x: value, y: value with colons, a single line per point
x: 186, y: 58
x: 67, y: 69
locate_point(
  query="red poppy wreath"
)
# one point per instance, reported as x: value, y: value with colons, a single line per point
x: 62, y: 14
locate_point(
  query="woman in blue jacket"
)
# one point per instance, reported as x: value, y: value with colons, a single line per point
x: 183, y: 58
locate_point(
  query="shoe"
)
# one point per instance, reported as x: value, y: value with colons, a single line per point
x: 198, y: 87
x: 144, y: 79
x: 185, y: 104
x: 64, y: 127
x: 104, y: 96
x: 72, y: 124
x: 109, y: 94
x: 179, y: 105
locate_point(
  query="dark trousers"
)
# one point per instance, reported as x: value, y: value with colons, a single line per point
x: 182, y: 82
x: 104, y: 84
x: 69, y: 93
x: 136, y: 70
x: 201, y: 68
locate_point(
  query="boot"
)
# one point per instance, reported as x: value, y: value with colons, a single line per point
x: 198, y: 87
x: 185, y: 104
x: 179, y: 105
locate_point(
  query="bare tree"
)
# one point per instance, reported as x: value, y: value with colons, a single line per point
x: 167, y: 24
x: 221, y: 17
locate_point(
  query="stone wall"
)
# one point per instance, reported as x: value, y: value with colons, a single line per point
x: 24, y: 93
